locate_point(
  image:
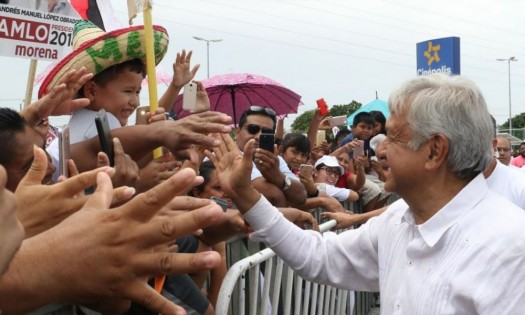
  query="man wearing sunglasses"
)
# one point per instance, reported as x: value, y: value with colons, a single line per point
x: 271, y: 176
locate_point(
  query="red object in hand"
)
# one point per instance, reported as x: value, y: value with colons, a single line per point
x: 323, y: 108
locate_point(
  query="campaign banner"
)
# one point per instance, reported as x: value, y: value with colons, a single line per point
x: 33, y: 32
x: 439, y: 55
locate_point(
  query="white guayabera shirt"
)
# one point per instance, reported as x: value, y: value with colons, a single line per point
x: 468, y: 258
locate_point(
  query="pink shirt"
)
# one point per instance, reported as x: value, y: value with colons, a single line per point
x: 518, y: 161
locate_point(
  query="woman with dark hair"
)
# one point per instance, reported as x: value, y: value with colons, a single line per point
x: 379, y: 123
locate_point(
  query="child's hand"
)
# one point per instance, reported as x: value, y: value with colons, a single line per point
x: 158, y: 115
x: 181, y: 69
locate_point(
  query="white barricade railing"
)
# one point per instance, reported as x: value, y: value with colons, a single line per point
x: 279, y: 290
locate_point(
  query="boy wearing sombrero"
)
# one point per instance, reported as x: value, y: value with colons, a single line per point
x: 117, y: 60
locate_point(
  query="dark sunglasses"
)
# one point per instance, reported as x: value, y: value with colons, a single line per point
x: 261, y: 109
x: 254, y: 129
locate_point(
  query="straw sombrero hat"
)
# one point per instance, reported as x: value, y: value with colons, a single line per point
x: 97, y: 50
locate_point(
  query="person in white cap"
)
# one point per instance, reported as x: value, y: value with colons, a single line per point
x: 325, y: 176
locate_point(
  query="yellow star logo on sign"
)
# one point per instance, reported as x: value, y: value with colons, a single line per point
x: 432, y: 53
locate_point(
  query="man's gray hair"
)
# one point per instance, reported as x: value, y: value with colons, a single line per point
x: 452, y: 106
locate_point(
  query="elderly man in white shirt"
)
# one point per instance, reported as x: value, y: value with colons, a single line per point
x: 455, y: 247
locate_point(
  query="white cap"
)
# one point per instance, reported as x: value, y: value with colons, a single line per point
x: 376, y: 141
x: 330, y: 161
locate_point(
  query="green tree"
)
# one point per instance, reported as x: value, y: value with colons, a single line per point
x: 346, y: 109
x: 303, y: 121
x: 518, y: 121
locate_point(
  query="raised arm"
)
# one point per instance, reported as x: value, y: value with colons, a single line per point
x: 181, y: 75
x: 139, y: 140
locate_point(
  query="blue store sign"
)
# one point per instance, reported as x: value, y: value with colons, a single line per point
x: 438, y: 56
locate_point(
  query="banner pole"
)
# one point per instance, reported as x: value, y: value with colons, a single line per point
x: 150, y: 66
x: 30, y: 82
x: 152, y: 89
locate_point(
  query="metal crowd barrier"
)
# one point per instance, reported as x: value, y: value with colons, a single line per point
x: 278, y: 289
x: 259, y: 283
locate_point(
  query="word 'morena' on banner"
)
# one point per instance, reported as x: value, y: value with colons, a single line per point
x: 440, y: 55
x: 34, y: 34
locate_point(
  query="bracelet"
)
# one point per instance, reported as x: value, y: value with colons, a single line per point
x: 315, y: 194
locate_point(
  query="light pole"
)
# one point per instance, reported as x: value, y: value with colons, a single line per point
x: 207, y: 51
x: 508, y: 60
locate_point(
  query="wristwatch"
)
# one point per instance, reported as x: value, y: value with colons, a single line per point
x: 287, y: 183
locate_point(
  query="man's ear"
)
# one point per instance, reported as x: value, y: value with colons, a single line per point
x: 494, y: 143
x: 438, y: 148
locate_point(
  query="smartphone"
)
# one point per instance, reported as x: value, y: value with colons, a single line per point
x: 104, y: 135
x: 323, y: 108
x: 306, y: 170
x: 359, y: 149
x: 321, y: 136
x: 63, y: 150
x: 267, y: 141
x: 140, y: 115
x: 189, y: 97
x: 338, y: 121
x: 221, y: 202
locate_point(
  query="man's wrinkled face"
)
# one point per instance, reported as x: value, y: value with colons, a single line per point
x: 406, y: 164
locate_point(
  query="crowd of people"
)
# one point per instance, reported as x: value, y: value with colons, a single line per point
x: 143, y: 235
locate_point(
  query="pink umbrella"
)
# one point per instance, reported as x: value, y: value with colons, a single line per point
x: 234, y: 93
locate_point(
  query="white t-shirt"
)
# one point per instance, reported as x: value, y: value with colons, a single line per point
x: 82, y: 125
x: 464, y: 260
x: 338, y: 193
x: 508, y: 182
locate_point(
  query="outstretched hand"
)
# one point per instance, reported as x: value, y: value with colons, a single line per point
x: 41, y: 207
x: 61, y: 99
x: 120, y: 243
x: 344, y: 219
x: 233, y: 168
x: 234, y: 171
x: 181, y: 69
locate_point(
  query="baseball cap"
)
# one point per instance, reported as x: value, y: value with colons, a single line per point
x: 330, y: 161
